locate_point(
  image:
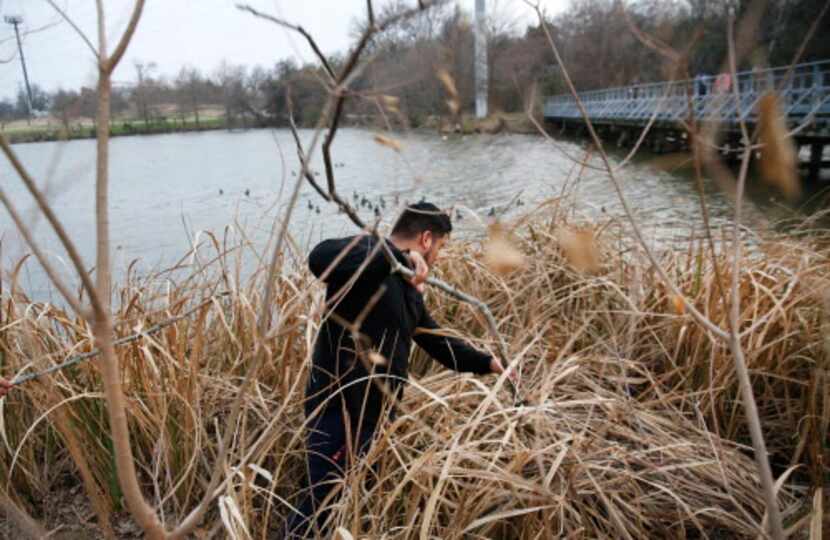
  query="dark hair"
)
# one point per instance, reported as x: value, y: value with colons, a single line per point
x: 421, y: 217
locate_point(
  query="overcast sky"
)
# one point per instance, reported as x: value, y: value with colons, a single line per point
x: 174, y: 33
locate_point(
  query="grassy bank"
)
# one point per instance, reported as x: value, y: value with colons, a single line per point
x: 631, y: 425
x: 119, y: 128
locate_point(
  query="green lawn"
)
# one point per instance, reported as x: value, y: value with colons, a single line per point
x: 53, y: 132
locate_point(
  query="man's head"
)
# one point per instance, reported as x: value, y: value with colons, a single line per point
x: 422, y: 227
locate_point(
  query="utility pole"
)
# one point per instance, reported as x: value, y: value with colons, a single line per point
x: 481, y: 59
x: 15, y: 21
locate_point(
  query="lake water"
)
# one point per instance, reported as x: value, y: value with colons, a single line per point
x: 165, y: 189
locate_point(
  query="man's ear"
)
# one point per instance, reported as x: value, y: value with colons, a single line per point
x: 427, y: 240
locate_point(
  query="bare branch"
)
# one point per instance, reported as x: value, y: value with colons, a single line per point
x: 492, y: 325
x: 304, y: 167
x: 261, y: 354
x: 748, y: 28
x: 380, y: 27
x: 77, y: 359
x: 39, y: 255
x: 751, y: 408
x: 650, y: 41
x: 121, y: 48
x: 297, y: 28
x: 27, y: 33
x: 75, y: 27
x: 68, y: 245
x: 698, y: 316
x: 336, y: 104
x: 680, y: 71
x: 371, y: 10
x: 335, y: 123
x: 102, y: 324
x: 800, y: 52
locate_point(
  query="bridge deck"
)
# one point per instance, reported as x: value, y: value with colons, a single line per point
x: 804, y: 94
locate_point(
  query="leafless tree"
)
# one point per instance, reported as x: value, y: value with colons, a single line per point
x: 230, y: 79
x: 190, y: 92
x: 65, y: 106
x: 143, y: 88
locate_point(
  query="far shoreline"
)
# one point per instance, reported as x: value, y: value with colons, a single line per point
x: 117, y: 129
x: 508, y: 123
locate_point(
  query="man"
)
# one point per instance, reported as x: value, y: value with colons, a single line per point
x: 355, y: 369
x: 723, y: 83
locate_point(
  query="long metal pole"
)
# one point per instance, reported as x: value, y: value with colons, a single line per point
x: 15, y: 21
x: 481, y: 75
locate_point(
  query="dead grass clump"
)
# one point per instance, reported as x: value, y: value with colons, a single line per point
x: 181, y: 383
x: 632, y: 425
x: 779, y: 159
x: 781, y: 314
x: 580, y: 249
x: 500, y: 252
x: 583, y: 460
x: 623, y: 310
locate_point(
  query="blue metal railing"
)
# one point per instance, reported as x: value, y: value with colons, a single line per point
x: 804, y: 94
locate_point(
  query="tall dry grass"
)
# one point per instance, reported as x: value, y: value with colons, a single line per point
x: 623, y: 310
x: 631, y: 425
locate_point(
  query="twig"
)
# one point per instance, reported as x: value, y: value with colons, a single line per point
x: 478, y: 304
x: 260, y: 356
x: 102, y: 324
x: 331, y: 196
x: 732, y: 337
x: 304, y: 171
x: 118, y: 53
x: 60, y: 231
x: 195, y: 516
x: 742, y: 372
x: 40, y: 256
x: 800, y: 52
x: 297, y: 28
x: 77, y: 359
x: 337, y: 102
x: 751, y: 408
x: 75, y: 27
x: 371, y: 12
x: 681, y: 69
x: 698, y: 316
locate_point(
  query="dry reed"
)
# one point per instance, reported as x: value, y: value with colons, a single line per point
x: 631, y: 426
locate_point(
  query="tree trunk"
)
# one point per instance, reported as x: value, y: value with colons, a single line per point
x: 102, y: 320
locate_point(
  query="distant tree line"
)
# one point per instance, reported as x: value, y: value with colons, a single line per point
x: 596, y: 37
x: 601, y: 50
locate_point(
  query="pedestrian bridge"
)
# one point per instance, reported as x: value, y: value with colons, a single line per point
x: 803, y: 91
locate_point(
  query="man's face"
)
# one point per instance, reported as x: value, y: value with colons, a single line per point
x: 430, y: 246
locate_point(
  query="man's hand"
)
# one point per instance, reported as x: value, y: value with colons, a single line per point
x: 497, y: 367
x: 421, y: 270
x: 5, y: 386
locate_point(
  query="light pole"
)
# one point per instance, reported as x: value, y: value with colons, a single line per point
x: 16, y: 20
x: 481, y: 59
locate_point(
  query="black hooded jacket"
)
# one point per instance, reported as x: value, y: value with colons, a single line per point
x: 357, y: 265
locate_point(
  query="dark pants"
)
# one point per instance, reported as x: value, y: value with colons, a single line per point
x: 327, y: 456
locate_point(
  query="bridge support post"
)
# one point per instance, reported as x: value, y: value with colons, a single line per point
x: 734, y: 148
x: 623, y: 138
x: 814, y: 169
x: 656, y: 144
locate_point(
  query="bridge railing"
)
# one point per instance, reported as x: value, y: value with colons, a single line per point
x: 803, y: 90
